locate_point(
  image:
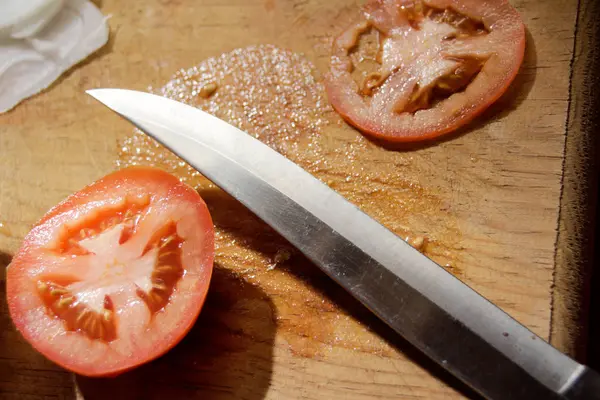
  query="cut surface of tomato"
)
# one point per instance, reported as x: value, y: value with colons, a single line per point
x: 410, y: 70
x: 116, y: 274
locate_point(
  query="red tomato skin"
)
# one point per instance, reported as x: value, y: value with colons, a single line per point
x: 17, y: 286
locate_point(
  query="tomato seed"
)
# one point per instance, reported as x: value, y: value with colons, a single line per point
x: 65, y: 301
x: 58, y: 291
x: 208, y: 90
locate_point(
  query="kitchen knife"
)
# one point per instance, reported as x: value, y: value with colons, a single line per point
x: 436, y: 312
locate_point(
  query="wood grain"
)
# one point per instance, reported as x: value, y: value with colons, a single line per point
x: 576, y: 255
x: 496, y: 184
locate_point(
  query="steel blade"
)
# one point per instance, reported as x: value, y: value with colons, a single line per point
x: 436, y: 312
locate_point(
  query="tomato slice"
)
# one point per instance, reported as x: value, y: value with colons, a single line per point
x: 410, y: 70
x: 116, y: 274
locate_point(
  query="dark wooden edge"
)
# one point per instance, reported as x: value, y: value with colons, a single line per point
x: 573, y: 322
x: 593, y: 350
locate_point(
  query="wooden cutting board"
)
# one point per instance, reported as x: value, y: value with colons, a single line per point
x: 488, y: 199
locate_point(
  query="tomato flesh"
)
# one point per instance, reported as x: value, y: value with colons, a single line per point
x: 115, y: 275
x: 437, y: 64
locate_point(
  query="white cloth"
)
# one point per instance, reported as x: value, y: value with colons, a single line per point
x: 40, y: 40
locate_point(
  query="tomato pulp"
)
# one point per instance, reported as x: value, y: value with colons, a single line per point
x: 411, y: 70
x: 116, y: 274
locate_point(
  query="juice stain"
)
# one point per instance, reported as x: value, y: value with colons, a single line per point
x: 276, y: 96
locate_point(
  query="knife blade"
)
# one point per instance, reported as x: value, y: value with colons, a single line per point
x: 435, y: 311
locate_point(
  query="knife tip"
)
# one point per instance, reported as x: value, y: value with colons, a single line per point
x: 96, y: 94
x: 109, y: 97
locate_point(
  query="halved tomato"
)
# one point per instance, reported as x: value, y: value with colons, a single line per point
x: 116, y: 274
x: 411, y: 70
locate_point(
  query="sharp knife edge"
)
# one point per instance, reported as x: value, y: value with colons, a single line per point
x: 432, y: 309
